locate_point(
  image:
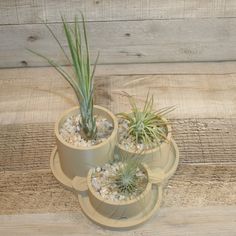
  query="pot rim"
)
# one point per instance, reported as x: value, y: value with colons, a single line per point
x: 68, y: 111
x: 168, y: 140
x: 120, y: 202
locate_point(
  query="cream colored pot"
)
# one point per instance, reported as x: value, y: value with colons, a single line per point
x: 155, y: 157
x: 123, y: 209
x: 76, y: 161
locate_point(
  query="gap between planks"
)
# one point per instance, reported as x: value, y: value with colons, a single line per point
x: 171, y: 68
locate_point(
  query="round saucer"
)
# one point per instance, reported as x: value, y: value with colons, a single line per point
x: 172, y: 162
x: 121, y: 223
x: 57, y: 171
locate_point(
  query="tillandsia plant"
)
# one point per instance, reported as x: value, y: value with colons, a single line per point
x: 129, y: 178
x: 146, y: 125
x: 83, y: 81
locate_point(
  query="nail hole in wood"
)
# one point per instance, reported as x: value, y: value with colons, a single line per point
x: 24, y: 63
x: 32, y: 38
x: 127, y: 34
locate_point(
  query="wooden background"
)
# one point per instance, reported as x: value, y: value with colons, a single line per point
x: 182, y: 50
x: 133, y: 31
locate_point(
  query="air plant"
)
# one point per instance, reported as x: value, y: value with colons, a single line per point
x: 83, y: 81
x: 126, y: 178
x: 146, y: 125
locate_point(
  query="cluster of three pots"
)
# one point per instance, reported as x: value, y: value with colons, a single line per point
x: 71, y: 164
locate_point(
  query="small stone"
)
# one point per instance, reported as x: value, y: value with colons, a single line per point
x: 96, y: 184
x: 98, y: 169
x: 121, y: 197
x: 70, y: 131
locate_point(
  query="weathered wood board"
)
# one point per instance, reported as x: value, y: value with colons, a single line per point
x: 126, y: 41
x: 37, y: 191
x: 44, y: 95
x: 211, y: 221
x: 28, y: 146
x: 123, y: 31
x: 28, y: 11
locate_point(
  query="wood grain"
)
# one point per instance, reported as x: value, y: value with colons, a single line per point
x: 28, y: 11
x: 146, y: 41
x: 212, y: 221
x: 28, y: 146
x: 192, y: 185
x: 40, y: 95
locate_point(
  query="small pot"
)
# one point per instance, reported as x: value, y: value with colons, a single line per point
x: 154, y: 157
x: 76, y: 161
x: 123, y: 209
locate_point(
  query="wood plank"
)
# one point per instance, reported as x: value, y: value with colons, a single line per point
x: 29, y: 11
x: 168, y: 221
x: 28, y: 146
x: 40, y: 95
x: 127, y: 41
x: 192, y: 185
x: 34, y: 191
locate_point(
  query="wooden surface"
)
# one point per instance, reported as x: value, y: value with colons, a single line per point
x: 135, y: 31
x: 198, y: 200
x: 169, y: 221
x: 31, y: 12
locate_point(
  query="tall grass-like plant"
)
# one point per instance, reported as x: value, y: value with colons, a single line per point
x: 146, y: 125
x: 83, y: 81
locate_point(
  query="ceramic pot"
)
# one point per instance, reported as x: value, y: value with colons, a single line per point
x: 121, y: 209
x: 76, y: 161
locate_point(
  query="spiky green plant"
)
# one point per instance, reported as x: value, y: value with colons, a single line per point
x: 82, y: 82
x: 126, y: 177
x: 146, y: 125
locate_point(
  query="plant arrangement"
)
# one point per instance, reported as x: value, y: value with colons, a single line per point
x: 144, y: 128
x: 121, y: 191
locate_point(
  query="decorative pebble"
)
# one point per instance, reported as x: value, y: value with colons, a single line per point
x: 70, y: 131
x: 96, y: 184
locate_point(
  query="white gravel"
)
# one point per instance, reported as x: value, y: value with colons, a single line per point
x: 69, y: 131
x: 102, y: 181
